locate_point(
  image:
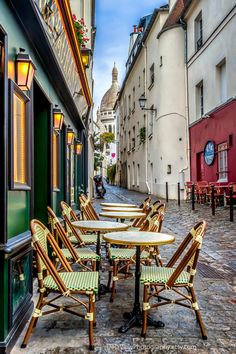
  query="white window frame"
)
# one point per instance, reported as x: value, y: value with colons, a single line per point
x: 222, y: 162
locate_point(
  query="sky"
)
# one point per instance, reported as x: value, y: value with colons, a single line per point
x: 114, y: 22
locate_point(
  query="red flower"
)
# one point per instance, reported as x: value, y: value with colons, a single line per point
x: 74, y: 17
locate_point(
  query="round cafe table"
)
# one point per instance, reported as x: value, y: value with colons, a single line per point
x: 122, y: 215
x: 125, y: 205
x: 138, y: 239
x: 124, y: 209
x: 99, y: 226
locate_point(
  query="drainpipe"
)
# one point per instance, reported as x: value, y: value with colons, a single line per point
x: 187, y: 157
x: 146, y: 125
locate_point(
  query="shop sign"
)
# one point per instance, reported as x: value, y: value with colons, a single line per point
x: 209, y: 152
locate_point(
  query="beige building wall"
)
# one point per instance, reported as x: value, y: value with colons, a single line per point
x: 84, y: 9
x: 218, y: 47
x: 160, y: 158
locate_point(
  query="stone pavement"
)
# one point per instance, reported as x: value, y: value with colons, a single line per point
x: 214, y: 286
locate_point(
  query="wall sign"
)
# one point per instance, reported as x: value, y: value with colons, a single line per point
x: 209, y: 152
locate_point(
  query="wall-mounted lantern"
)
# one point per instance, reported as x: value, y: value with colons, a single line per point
x: 86, y: 54
x: 25, y: 69
x: 78, y: 147
x: 142, y: 103
x: 70, y: 136
x: 58, y: 118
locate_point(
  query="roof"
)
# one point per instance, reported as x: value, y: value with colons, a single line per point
x: 176, y: 13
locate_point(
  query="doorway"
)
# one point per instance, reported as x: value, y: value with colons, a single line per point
x: 200, y: 167
x: 41, y: 183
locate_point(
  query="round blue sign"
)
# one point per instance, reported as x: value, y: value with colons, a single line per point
x: 209, y: 152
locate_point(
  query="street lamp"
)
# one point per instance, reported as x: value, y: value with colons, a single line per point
x: 25, y: 69
x: 86, y: 54
x: 58, y: 118
x: 70, y: 136
x: 142, y: 103
x: 78, y: 147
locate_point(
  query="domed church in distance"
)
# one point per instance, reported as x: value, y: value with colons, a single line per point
x: 106, y: 120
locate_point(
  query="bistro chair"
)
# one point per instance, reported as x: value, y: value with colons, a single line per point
x: 159, y: 279
x: 87, y: 210
x: 75, y: 237
x: 79, y: 287
x: 80, y: 255
x: 144, y: 206
x: 201, y: 189
x: 148, y: 210
x: 120, y: 259
x: 218, y: 193
x: 188, y: 190
x: 233, y: 186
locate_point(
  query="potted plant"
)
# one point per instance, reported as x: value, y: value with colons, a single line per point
x: 81, y: 31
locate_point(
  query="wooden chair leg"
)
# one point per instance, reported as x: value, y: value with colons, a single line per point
x: 94, y: 264
x: 158, y: 257
x: 33, y: 321
x: 113, y: 290
x: 109, y: 275
x: 145, y: 298
x: 91, y: 310
x: 198, y: 314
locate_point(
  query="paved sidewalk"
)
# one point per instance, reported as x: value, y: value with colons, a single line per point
x: 215, y: 289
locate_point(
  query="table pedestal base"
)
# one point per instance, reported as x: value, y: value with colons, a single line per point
x: 135, y: 318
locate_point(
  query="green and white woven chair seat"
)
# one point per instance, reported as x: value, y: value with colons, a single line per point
x: 75, y: 281
x: 88, y: 239
x: 125, y: 253
x: 152, y: 274
x: 83, y: 253
x: 133, y: 228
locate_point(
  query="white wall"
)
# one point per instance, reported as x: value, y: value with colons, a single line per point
x: 218, y: 44
x: 168, y: 143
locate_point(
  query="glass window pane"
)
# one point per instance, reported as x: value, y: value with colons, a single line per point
x: 55, y: 160
x: 19, y: 140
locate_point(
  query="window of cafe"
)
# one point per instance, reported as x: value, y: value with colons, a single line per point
x: 223, y: 162
x: 55, y: 147
x: 72, y: 174
x: 19, y: 138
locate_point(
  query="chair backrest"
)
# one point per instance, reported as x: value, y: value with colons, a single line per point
x: 156, y: 205
x: 145, y: 203
x: 68, y: 211
x: 69, y: 216
x: 40, y: 236
x: 87, y: 210
x: 233, y: 185
x: 153, y: 222
x: 187, y: 253
x: 59, y: 231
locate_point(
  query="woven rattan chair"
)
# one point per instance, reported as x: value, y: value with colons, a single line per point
x: 159, y: 279
x: 121, y: 258
x: 80, y: 255
x: 148, y: 209
x: 145, y: 207
x: 79, y: 287
x: 75, y: 236
x: 87, y: 210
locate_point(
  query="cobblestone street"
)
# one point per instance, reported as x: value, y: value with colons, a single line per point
x: 215, y: 289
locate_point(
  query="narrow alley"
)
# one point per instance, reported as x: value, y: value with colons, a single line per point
x: 214, y: 287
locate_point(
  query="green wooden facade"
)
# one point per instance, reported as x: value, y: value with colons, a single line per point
x: 18, y: 206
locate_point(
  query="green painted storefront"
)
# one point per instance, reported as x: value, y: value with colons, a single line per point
x: 18, y: 206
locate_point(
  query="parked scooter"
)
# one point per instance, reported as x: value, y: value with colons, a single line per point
x: 100, y: 189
